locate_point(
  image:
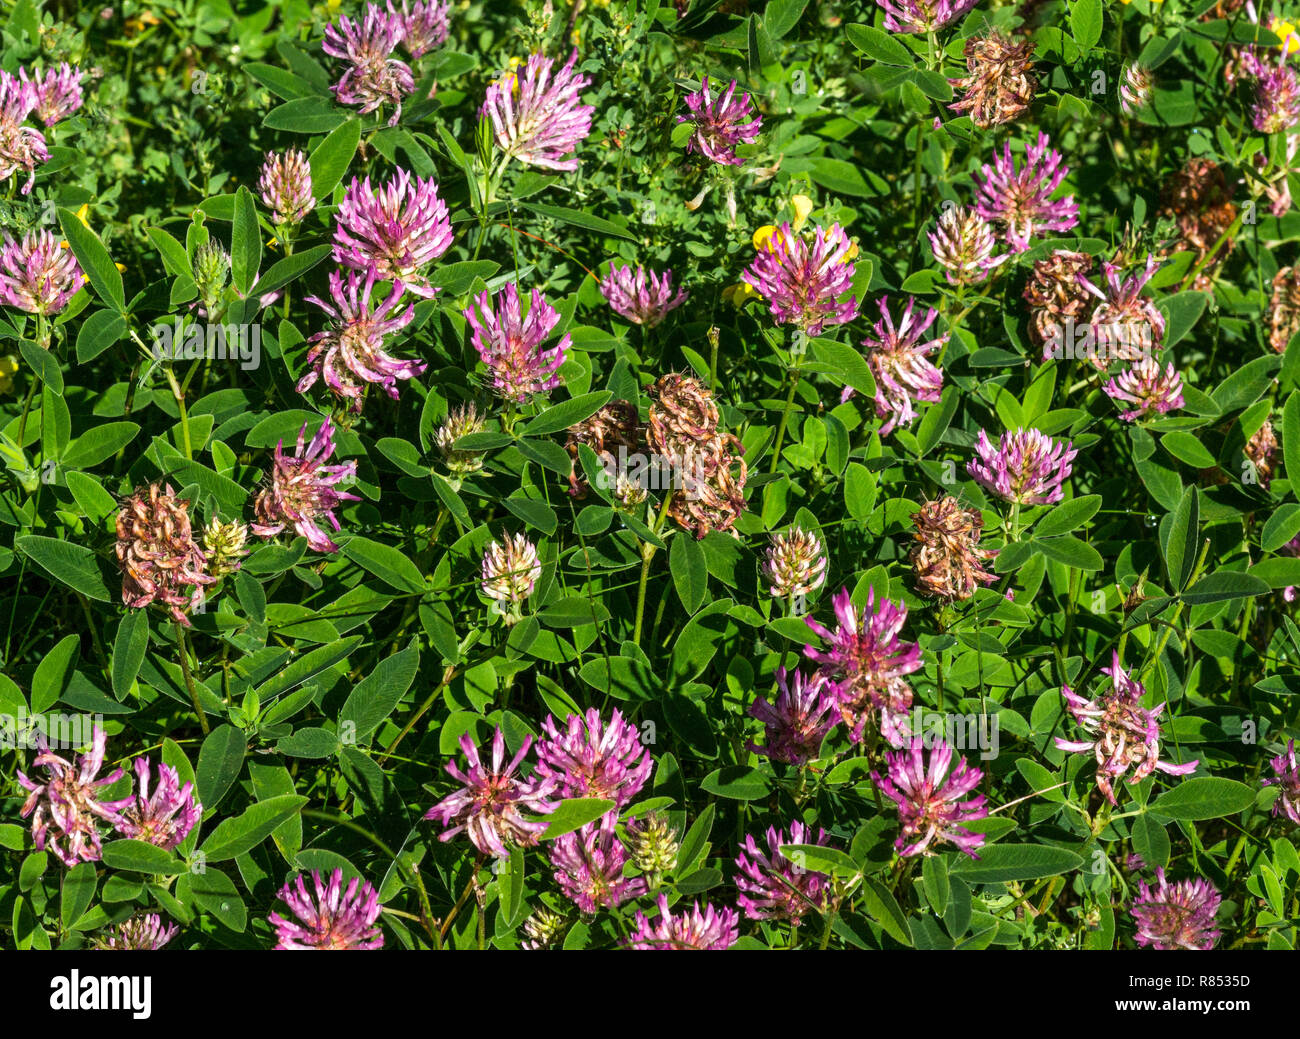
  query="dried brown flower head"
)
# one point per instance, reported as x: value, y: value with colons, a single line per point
x: 156, y: 549
x: 947, y: 555
x: 1261, y: 450
x: 1198, y: 199
x: 615, y: 427
x: 1001, y: 83
x: 1054, y: 294
x: 1284, y: 308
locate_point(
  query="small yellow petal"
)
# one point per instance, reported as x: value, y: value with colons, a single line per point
x: 802, y: 206
x: 83, y: 214
x: 763, y: 237
x: 739, y: 294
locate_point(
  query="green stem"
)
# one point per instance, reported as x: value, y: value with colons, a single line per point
x: 183, y: 644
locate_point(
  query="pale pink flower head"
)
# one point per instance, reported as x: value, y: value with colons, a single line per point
x: 510, y: 344
x: 795, y: 726
x: 396, y: 230
x: 1122, y: 733
x: 165, y: 817
x: 1019, y: 198
x: 721, y: 123
x: 492, y: 800
x: 1026, y: 468
x: 56, y: 92
x: 1176, y: 916
x: 538, y: 116
x: 588, y: 865
x: 794, y: 564
x: 285, y: 184
x: 36, y: 275
x: 868, y: 663
x: 963, y: 244
x: 898, y: 357
x: 640, y: 295
x: 510, y: 569
x: 144, y: 932
x: 932, y: 798
x: 1151, y: 390
x: 1135, y: 87
x: 1287, y: 780
x: 696, y: 928
x: 804, y: 276
x: 21, y: 147
x: 303, y: 489
x: 373, y: 76
x: 921, y: 16
x: 1277, y: 99
x: 772, y: 887
x: 66, y: 809
x: 590, y: 757
x: 425, y: 25
x: 330, y: 918
x: 351, y: 354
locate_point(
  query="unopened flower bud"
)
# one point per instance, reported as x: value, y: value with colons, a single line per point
x: 460, y: 422
x: 224, y: 545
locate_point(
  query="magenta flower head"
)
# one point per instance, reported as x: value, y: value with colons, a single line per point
x: 302, y: 489
x: 1125, y: 325
x: 66, y: 807
x: 395, y: 230
x: 36, y: 275
x: 1277, y: 99
x: 640, y: 295
x: 588, y: 866
x: 706, y: 928
x: 721, y: 123
x: 804, y: 277
x: 915, y: 16
x: 331, y: 918
x: 165, y: 818
x: 21, y: 147
x: 1287, y: 780
x: 1176, y: 916
x: 145, y: 932
x: 56, y: 92
x: 489, y: 806
x: 1019, y: 199
x: 373, y: 76
x: 931, y: 798
x: 351, y: 353
x: 511, y: 344
x: 538, y: 117
x: 795, y: 726
x: 773, y: 887
x: 593, y: 758
x: 899, y: 362
x: 1124, y: 734
x: 1151, y: 390
x: 424, y: 25
x: 285, y: 184
x: 1026, y: 468
x: 868, y: 663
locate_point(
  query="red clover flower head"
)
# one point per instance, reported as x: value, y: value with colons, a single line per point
x: 66, y: 808
x: 56, y: 92
x: 164, y: 818
x: 1019, y: 197
x: 490, y: 804
x: 1176, y: 916
x: 1124, y: 734
x: 144, y: 932
x: 803, y: 277
x: 589, y: 863
x: 931, y: 798
x: 425, y: 25
x: 593, y: 758
x: 963, y: 244
x: 373, y: 76
x: 1151, y: 390
x: 21, y: 147
x: 772, y: 886
x: 696, y: 928
x: 351, y: 353
x: 510, y: 344
x: 1026, y: 468
x: 922, y: 16
x: 640, y: 295
x: 302, y: 489
x: 332, y: 917
x: 160, y: 560
x: 898, y: 357
x: 37, y: 275
x: 538, y: 116
x: 721, y: 122
x: 1287, y: 780
x: 395, y: 230
x: 795, y: 726
x: 286, y: 187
